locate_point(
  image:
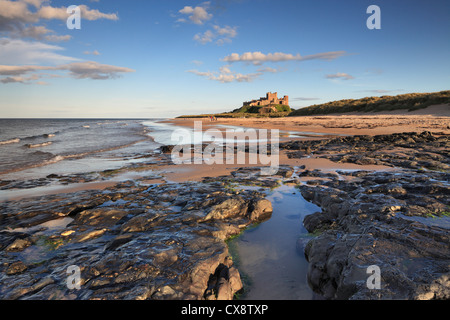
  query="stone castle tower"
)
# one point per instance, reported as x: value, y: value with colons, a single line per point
x: 271, y: 98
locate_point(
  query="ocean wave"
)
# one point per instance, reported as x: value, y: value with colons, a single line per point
x: 38, y: 145
x: 40, y: 158
x: 17, y: 140
x: 39, y: 136
x: 52, y: 160
x: 42, y: 163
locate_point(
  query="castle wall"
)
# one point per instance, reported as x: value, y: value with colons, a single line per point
x: 271, y: 98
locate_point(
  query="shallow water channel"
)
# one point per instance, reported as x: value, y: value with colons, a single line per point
x: 267, y: 256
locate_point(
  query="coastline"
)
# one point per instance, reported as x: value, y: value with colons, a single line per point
x: 190, y: 210
x: 433, y: 118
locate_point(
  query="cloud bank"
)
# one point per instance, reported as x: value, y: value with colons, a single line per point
x: 258, y: 58
x: 77, y: 70
x: 26, y: 55
x: 19, y: 18
x: 225, y: 75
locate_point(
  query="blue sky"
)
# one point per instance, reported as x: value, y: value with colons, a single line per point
x: 147, y: 59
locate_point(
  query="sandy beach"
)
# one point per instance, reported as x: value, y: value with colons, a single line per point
x: 434, y: 119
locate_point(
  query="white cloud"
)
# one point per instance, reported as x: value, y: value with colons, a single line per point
x: 17, y: 10
x: 22, y: 79
x: 49, y: 12
x: 94, y: 70
x: 339, y: 75
x: 19, y: 18
x: 225, y: 77
x: 41, y: 33
x: 20, y: 52
x: 35, y: 32
x: 259, y: 57
x: 20, y: 70
x: 269, y: 69
x: 207, y: 36
x: 220, y: 35
x: 28, y: 61
x: 77, y: 70
x: 227, y: 31
x: 197, y: 15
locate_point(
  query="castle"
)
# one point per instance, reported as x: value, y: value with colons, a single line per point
x: 271, y: 98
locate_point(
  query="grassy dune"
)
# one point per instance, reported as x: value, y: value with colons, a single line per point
x: 410, y: 102
x: 407, y: 102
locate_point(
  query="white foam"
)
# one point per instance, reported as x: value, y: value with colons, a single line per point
x: 10, y: 141
x: 38, y: 145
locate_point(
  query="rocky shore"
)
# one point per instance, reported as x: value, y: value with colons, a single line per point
x: 140, y: 240
x: 398, y: 221
x: 130, y: 241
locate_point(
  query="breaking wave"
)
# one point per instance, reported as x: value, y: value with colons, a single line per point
x: 38, y: 145
x: 17, y: 140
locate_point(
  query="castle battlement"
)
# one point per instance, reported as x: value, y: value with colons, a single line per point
x: 270, y: 98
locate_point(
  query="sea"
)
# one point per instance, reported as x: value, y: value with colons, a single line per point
x: 35, y: 147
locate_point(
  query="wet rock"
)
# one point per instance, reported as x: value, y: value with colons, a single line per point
x: 18, y: 245
x: 285, y: 172
x: 377, y: 150
x: 165, y: 258
x: 166, y: 149
x: 118, y: 241
x: 166, y: 241
x: 130, y: 242
x: 260, y: 210
x: 19, y: 292
x: 100, y: 217
x: 227, y: 209
x: 136, y: 224
x: 166, y: 293
x: 367, y: 225
x: 224, y: 282
x: 16, y: 268
x: 89, y: 235
x: 439, y: 289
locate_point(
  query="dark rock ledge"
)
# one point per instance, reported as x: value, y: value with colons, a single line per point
x: 164, y: 241
x: 398, y: 221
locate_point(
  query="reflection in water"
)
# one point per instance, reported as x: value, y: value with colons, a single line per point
x: 268, y: 253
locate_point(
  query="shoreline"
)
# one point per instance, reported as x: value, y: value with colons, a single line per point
x: 347, y: 125
x: 434, y: 118
x: 188, y: 211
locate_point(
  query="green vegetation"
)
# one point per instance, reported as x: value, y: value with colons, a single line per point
x: 245, y: 278
x: 248, y: 112
x: 49, y: 243
x: 256, y: 109
x: 238, y: 115
x: 410, y: 102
